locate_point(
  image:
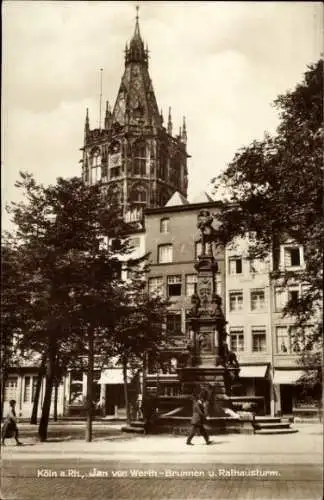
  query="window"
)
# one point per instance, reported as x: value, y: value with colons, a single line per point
x: 290, y: 340
x: 114, y: 172
x: 237, y: 339
x: 293, y: 294
x: 165, y: 254
x: 174, y: 324
x: 155, y: 286
x: 257, y: 300
x: 235, y: 265
x: 114, y: 196
x: 174, y: 286
x: 11, y: 388
x: 95, y: 167
x: 139, y: 158
x: 104, y: 170
x: 198, y: 249
x: 236, y: 300
x: 138, y: 195
x: 164, y: 225
x: 191, y: 284
x: 27, y: 389
x: 259, y: 339
x: 297, y: 339
x: 280, y: 298
x: 283, y: 340
x: 292, y: 257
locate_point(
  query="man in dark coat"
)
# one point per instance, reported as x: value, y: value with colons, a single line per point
x: 197, y: 421
x: 10, y: 425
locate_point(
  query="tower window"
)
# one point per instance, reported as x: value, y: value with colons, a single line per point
x: 138, y: 195
x: 95, y: 166
x: 139, y: 158
x: 164, y: 225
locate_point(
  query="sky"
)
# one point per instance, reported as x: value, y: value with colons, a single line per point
x: 219, y: 64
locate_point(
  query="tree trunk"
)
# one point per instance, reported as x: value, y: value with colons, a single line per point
x: 88, y: 433
x: 56, y: 386
x: 50, y: 376
x: 128, y: 419
x: 145, y: 364
x: 40, y: 375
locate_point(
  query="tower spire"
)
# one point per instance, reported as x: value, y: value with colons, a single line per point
x: 169, y: 122
x: 107, y: 115
x: 86, y: 125
x: 184, y: 131
x: 136, y: 51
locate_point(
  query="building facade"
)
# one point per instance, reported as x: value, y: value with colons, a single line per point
x: 249, y: 320
x: 174, y: 244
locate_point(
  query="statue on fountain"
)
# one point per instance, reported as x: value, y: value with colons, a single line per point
x: 207, y: 231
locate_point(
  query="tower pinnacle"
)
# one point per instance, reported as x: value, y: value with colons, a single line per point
x: 184, y: 131
x: 86, y: 125
x: 136, y: 51
x: 169, y: 123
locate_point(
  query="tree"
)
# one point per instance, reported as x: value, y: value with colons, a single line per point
x: 70, y: 272
x: 139, y: 327
x: 275, y: 191
x: 14, y: 304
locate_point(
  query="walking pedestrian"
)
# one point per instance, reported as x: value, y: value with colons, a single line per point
x: 198, y: 420
x: 10, y: 428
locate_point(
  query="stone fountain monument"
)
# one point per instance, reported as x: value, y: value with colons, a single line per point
x: 212, y: 367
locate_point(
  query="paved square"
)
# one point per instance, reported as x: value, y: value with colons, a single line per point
x: 122, y: 466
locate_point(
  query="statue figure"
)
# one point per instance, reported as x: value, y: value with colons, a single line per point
x: 204, y: 224
x: 195, y: 301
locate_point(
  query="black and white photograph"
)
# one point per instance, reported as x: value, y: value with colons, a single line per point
x: 162, y: 250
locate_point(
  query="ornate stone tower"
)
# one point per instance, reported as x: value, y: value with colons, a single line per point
x: 134, y: 155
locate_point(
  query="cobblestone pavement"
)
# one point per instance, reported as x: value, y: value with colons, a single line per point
x: 163, y: 467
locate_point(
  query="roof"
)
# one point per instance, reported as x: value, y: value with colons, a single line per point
x: 176, y: 200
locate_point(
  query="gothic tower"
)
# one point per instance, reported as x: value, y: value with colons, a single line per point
x: 134, y: 155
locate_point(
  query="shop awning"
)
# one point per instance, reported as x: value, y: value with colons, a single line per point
x: 287, y: 376
x: 253, y: 371
x: 113, y: 376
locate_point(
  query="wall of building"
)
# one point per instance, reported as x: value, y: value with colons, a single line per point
x: 182, y: 234
x: 21, y: 386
